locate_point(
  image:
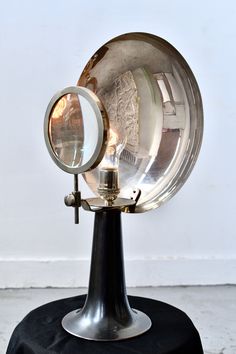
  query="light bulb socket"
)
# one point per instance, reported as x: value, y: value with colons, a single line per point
x: 109, y: 183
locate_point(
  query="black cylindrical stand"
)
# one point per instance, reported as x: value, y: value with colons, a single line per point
x: 106, y: 314
x: 107, y: 281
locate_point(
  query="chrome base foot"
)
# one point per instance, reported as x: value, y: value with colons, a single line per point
x: 82, y: 325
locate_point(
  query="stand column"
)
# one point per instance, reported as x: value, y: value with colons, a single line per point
x: 106, y: 314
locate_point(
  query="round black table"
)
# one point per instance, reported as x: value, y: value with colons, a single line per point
x: 40, y: 332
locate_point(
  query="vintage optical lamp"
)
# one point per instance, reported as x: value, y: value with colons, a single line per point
x: 133, y: 128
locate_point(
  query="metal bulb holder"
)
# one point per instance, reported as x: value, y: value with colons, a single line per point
x: 109, y: 184
x: 133, y: 128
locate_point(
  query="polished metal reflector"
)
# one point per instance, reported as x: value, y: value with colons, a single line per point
x: 151, y: 95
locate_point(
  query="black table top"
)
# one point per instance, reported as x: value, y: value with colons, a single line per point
x: 40, y: 332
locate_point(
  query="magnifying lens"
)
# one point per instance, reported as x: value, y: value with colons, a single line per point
x: 75, y: 131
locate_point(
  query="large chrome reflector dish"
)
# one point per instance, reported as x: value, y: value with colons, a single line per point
x: 148, y: 88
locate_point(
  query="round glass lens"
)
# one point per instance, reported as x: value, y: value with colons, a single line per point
x: 73, y: 130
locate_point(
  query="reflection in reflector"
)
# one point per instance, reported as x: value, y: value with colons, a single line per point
x: 142, y: 80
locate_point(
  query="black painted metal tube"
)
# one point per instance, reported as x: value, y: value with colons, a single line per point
x: 107, y: 290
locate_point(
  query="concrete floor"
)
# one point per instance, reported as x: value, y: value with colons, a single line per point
x: 212, y: 310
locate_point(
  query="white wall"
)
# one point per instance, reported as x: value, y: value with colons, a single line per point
x: 44, y: 45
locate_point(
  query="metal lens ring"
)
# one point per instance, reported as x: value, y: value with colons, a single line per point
x: 75, y: 138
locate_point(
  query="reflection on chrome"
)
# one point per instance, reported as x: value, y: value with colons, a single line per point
x: 66, y: 131
x: 147, y: 86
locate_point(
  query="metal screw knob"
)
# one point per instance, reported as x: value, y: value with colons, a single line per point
x: 69, y: 200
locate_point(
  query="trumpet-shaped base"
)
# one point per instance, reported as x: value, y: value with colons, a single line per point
x: 106, y: 315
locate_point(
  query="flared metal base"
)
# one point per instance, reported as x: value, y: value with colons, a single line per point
x: 78, y: 324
